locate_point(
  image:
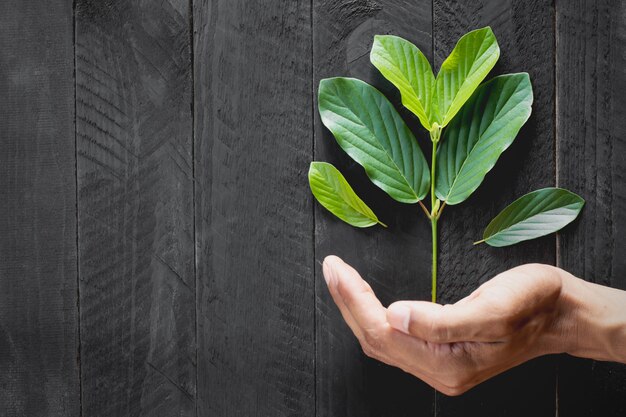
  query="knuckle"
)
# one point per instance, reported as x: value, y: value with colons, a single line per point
x: 453, y: 391
x: 551, y: 275
x: 537, y: 268
x: 438, y: 330
x: 367, y: 288
x: 352, y: 296
x: 455, y: 385
x: 343, y: 292
x: 370, y: 352
x: 449, y: 380
x: 374, y: 338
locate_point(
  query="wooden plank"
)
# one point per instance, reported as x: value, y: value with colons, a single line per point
x: 38, y: 275
x: 525, y: 33
x: 592, y: 143
x: 395, y: 261
x: 136, y: 233
x: 253, y: 143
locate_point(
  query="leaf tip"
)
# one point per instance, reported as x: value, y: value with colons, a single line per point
x: 324, y: 82
x: 314, y: 166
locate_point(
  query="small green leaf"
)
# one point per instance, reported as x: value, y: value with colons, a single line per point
x: 472, y: 58
x: 371, y: 131
x: 485, y: 127
x: 533, y: 215
x: 406, y: 67
x: 333, y: 192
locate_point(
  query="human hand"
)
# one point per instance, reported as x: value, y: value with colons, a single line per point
x: 528, y: 311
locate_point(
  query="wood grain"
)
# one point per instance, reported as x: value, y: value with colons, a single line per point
x: 160, y: 249
x: 253, y: 144
x: 395, y: 261
x: 38, y: 275
x: 136, y: 226
x: 525, y: 33
x: 591, y: 128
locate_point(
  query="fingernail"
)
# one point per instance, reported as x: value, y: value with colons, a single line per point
x: 326, y: 272
x: 333, y: 274
x: 399, y: 317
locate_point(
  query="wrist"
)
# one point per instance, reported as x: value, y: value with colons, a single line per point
x: 590, y: 320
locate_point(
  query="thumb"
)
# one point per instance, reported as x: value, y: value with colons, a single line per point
x: 466, y: 321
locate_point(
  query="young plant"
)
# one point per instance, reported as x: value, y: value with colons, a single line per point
x: 470, y: 125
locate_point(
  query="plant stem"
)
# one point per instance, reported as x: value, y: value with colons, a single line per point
x: 434, y: 207
x: 433, y: 223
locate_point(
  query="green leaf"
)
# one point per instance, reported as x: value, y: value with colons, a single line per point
x: 472, y: 58
x: 406, y: 67
x: 371, y: 131
x: 485, y: 127
x: 536, y: 214
x: 333, y: 192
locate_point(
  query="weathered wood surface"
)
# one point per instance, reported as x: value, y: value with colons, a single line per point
x: 591, y: 156
x: 253, y: 144
x: 38, y: 275
x: 395, y: 261
x: 525, y: 33
x: 135, y: 202
x: 196, y: 289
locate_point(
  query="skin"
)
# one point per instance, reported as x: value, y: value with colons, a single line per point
x: 526, y: 312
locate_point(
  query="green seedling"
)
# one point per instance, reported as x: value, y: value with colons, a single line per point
x: 470, y: 124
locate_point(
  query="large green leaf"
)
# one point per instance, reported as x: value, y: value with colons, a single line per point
x: 333, y: 192
x: 406, y: 67
x: 485, y: 127
x: 372, y: 132
x: 533, y: 215
x: 472, y: 58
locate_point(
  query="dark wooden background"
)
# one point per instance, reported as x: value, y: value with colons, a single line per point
x: 159, y: 246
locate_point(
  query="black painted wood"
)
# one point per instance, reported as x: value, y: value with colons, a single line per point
x: 591, y: 128
x: 525, y: 33
x: 196, y: 289
x: 38, y: 276
x: 395, y: 261
x: 136, y: 226
x: 254, y: 220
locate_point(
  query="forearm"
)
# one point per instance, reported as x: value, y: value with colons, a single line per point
x: 592, y: 320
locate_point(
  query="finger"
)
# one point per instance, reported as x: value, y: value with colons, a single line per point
x: 361, y: 304
x: 345, y: 313
x: 368, y: 349
x: 468, y: 321
x: 356, y: 294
